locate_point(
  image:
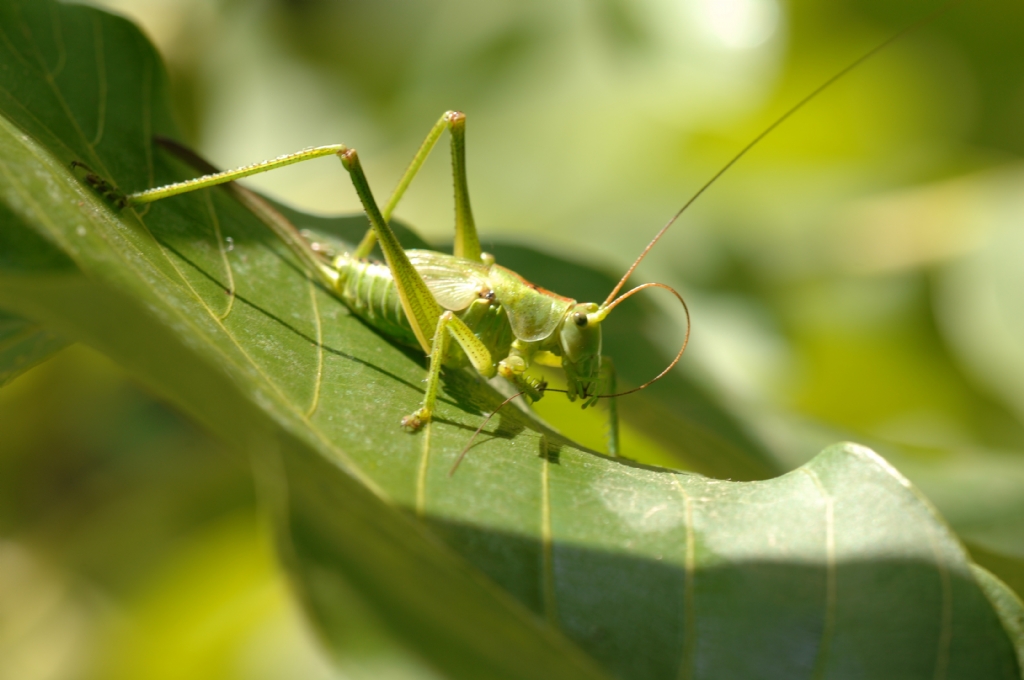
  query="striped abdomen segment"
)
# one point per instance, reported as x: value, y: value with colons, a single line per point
x: 369, y: 290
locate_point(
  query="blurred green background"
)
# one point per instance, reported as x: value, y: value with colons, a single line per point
x: 860, y: 275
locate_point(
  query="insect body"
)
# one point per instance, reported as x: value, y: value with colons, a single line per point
x: 500, y: 323
x: 511, y: 322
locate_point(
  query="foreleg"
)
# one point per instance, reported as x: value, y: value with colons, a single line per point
x: 513, y: 368
x: 608, y: 387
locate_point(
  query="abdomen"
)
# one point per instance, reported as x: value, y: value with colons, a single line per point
x: 369, y: 290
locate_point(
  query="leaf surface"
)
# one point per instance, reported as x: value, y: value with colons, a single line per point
x: 539, y: 558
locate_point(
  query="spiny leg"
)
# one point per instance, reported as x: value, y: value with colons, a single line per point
x: 216, y: 178
x: 277, y: 222
x: 479, y: 356
x: 419, y: 304
x: 467, y: 242
x: 365, y: 246
x: 417, y: 301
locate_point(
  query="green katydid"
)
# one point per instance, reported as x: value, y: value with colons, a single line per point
x: 501, y: 323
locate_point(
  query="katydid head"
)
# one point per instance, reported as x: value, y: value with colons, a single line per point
x: 580, y: 339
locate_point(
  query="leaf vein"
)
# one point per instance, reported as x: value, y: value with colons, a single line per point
x: 228, y: 272
x: 689, y: 570
x: 101, y: 76
x: 319, y: 351
x: 946, y: 626
x: 547, y: 549
x: 62, y: 102
x: 14, y: 50
x: 147, y: 119
x: 421, y: 473
x: 831, y: 594
x: 58, y: 39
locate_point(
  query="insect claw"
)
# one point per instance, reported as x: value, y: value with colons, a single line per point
x: 414, y: 422
x: 105, y: 189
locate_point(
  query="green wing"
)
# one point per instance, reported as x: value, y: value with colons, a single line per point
x: 454, y: 282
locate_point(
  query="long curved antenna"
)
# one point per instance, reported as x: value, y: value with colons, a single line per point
x: 679, y: 355
x: 778, y: 121
x: 479, y: 430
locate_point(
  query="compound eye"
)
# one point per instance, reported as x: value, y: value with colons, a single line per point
x: 579, y: 318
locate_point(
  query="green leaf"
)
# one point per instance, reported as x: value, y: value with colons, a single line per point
x: 23, y: 343
x: 1007, y: 604
x: 539, y: 558
x: 1008, y: 568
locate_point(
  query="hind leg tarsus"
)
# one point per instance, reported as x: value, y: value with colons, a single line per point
x: 110, y: 193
